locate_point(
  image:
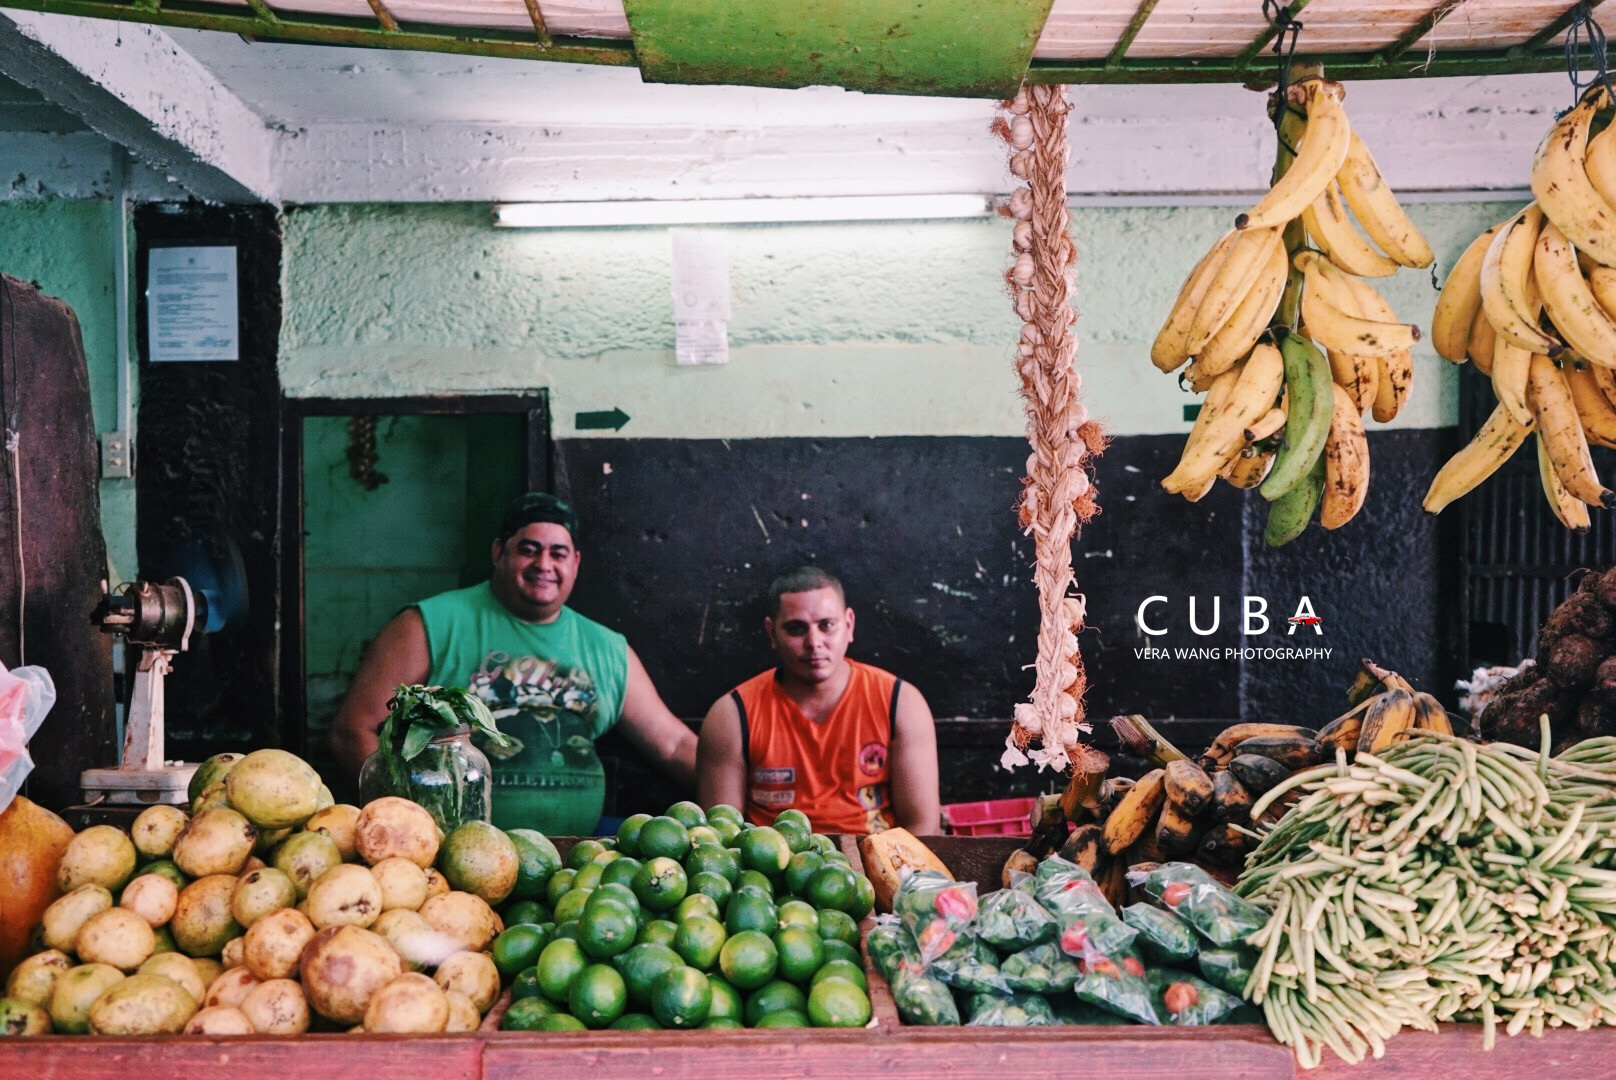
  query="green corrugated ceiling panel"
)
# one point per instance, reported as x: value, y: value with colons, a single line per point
x: 959, y: 48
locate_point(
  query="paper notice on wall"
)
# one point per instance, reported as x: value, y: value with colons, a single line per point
x: 191, y: 304
x: 700, y: 296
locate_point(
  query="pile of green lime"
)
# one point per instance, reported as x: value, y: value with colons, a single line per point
x: 689, y: 920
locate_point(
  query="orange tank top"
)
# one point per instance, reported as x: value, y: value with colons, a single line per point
x: 835, y: 771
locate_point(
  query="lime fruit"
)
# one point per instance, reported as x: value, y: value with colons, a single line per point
x: 836, y: 949
x: 722, y: 1023
x: 713, y: 859
x: 723, y: 812
x: 802, y: 867
x: 699, y: 940
x: 635, y: 1022
x: 560, y: 1021
x: 525, y: 1014
x: 583, y: 853
x: 724, y: 829
x: 763, y: 849
x: 799, y: 913
x: 519, y: 948
x: 727, y: 1001
x: 572, y: 904
x: 704, y: 834
x: 621, y: 871
x: 661, y: 883
x: 656, y: 931
x: 750, y: 910
x: 832, y: 886
x: 536, y: 859
x: 528, y: 911
x: 821, y: 843
x: 664, y: 837
x: 797, y: 836
x: 695, y: 904
x: 801, y: 953
x: 607, y: 928
x: 641, y: 966
x: 589, y: 876
x: 785, y: 1018
x: 771, y: 997
x: 526, y: 984
x: 598, y: 995
x: 838, y: 926
x: 622, y: 894
x: 628, y: 833
x: 568, y: 931
x: 681, y: 998
x: 748, y: 959
x: 838, y: 1003
x: 711, y: 885
x: 843, y: 970
x: 751, y: 879
x: 559, y: 964
x: 687, y: 814
x: 560, y: 882
x: 864, y: 901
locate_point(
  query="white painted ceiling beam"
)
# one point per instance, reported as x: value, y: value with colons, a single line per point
x: 134, y: 86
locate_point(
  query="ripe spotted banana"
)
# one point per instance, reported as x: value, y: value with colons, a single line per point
x: 1247, y: 262
x: 1562, y: 186
x: 1512, y: 367
x: 1336, y: 327
x: 1346, y: 464
x: 1211, y: 446
x: 1482, y: 344
x: 1429, y: 715
x: 1478, y: 459
x: 1394, y: 371
x: 1249, y: 467
x: 1506, y: 277
x: 1460, y: 300
x: 1570, y: 301
x: 1221, y: 750
x: 1170, y: 349
x: 1377, y: 208
x: 1389, y: 715
x: 1250, y: 317
x: 1325, y: 142
x: 1134, y: 813
x: 1561, y: 431
x: 1571, y: 512
x: 1594, y: 411
x: 1330, y: 227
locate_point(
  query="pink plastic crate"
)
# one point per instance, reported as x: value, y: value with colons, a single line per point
x: 996, y: 817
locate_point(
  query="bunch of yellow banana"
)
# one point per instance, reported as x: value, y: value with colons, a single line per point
x: 1532, y: 301
x: 1285, y: 403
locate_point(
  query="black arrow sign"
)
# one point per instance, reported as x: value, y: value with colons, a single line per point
x: 599, y: 421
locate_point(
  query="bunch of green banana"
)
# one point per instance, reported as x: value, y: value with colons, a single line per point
x: 1532, y: 302
x: 1282, y: 291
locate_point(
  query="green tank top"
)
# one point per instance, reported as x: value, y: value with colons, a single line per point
x: 553, y: 687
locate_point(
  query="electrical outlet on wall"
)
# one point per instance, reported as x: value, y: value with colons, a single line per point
x: 115, y: 462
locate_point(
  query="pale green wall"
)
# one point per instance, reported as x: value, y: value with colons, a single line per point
x: 837, y: 330
x: 67, y: 247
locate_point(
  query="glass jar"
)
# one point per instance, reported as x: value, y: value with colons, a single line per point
x: 450, y: 778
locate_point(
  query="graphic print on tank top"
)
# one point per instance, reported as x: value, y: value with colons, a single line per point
x: 547, y: 708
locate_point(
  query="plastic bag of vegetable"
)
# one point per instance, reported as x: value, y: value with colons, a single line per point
x: 971, y: 965
x: 1089, y: 927
x: 1163, y: 938
x: 1070, y: 1012
x: 1182, y: 999
x: 1042, y: 969
x: 889, y: 945
x: 1227, y: 968
x: 921, y: 998
x: 1013, y: 1010
x: 1117, y: 983
x: 935, y: 910
x: 1189, y: 892
x: 1012, y: 920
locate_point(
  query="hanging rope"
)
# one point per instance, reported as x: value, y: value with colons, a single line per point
x: 1057, y: 494
x: 1583, y: 27
x: 1287, y: 32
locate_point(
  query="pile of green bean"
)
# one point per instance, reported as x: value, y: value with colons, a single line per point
x: 1439, y: 880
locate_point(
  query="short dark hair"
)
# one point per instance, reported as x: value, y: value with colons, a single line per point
x: 803, y: 579
x: 537, y: 506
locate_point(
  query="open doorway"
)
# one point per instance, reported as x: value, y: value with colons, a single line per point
x: 389, y: 501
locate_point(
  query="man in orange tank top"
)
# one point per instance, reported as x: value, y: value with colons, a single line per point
x: 846, y: 743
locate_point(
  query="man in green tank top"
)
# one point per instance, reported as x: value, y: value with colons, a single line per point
x: 555, y: 680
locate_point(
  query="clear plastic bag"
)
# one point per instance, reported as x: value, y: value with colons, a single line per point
x: 935, y: 910
x: 1189, y: 892
x: 971, y: 965
x: 1186, y: 1001
x: 1089, y: 926
x: 1012, y: 920
x: 1013, y: 1010
x: 1042, y: 969
x: 922, y: 999
x: 26, y: 696
x: 1227, y: 968
x: 1117, y: 983
x: 1163, y: 938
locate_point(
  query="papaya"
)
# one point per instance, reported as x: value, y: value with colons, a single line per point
x: 32, y: 840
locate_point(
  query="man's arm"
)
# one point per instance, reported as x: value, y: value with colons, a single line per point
x: 653, y: 730
x: 916, y: 804
x: 398, y: 655
x: 720, y: 763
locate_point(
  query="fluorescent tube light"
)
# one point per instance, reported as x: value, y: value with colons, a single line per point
x: 574, y: 215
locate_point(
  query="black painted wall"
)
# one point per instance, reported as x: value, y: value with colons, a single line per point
x: 681, y: 537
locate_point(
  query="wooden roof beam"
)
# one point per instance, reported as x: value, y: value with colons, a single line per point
x: 1135, y: 24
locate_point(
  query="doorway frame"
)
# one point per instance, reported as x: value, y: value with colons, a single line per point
x: 538, y: 475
